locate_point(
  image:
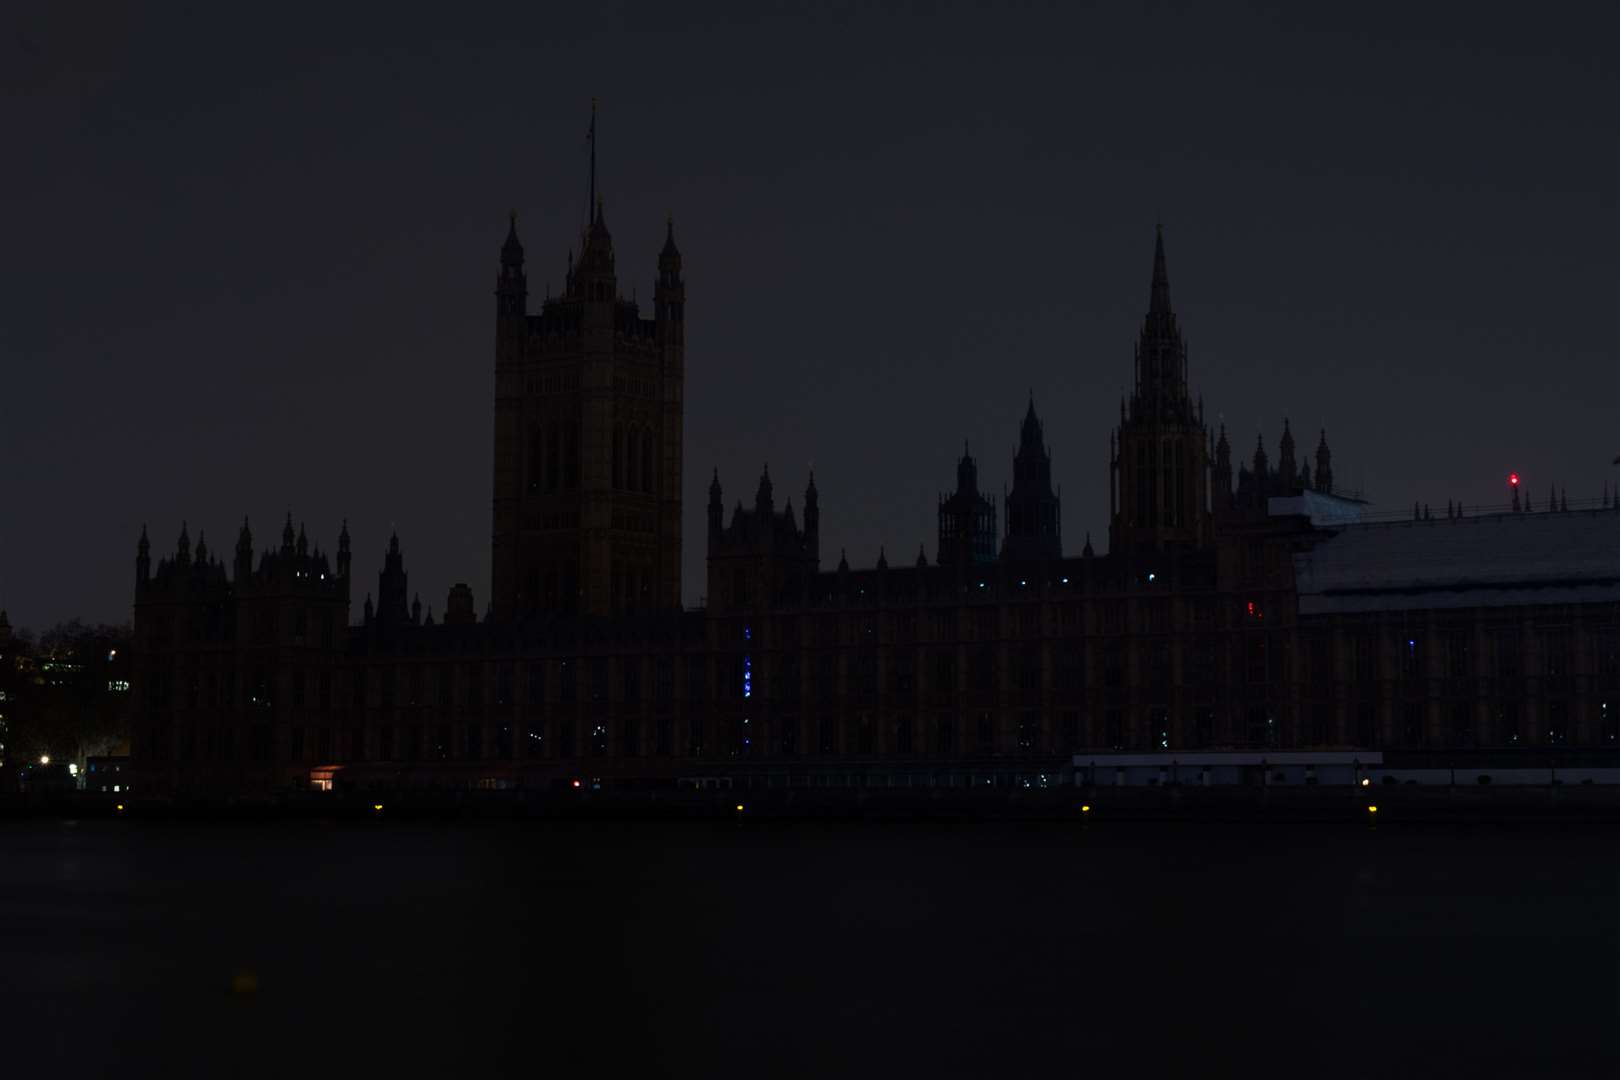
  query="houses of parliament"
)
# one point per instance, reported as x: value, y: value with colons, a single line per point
x: 1255, y: 609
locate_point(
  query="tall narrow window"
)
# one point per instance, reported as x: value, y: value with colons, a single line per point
x: 647, y: 483
x: 536, y: 458
x: 572, y: 470
x: 618, y: 456
x: 631, y: 439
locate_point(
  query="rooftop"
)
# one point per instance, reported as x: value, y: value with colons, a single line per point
x: 1496, y: 560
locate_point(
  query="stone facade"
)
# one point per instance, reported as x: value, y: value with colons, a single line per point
x: 1190, y: 632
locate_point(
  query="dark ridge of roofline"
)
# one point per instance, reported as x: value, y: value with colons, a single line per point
x: 1469, y: 586
x: 1535, y: 515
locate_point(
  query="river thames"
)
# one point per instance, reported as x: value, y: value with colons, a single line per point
x: 809, y: 949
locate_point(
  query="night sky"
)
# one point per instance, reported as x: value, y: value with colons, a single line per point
x: 248, y: 261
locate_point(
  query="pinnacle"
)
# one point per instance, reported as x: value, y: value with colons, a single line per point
x: 1159, y: 291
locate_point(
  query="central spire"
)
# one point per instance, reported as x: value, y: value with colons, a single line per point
x: 1159, y: 295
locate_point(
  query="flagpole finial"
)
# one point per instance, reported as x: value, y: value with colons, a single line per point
x: 591, y: 199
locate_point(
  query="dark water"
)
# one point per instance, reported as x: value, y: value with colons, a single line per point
x: 387, y: 948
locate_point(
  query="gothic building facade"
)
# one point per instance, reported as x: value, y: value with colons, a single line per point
x: 1226, y: 613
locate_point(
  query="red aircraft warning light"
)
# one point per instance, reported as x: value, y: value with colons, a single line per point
x: 1513, y: 478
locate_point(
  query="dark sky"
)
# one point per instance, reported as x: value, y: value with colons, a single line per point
x: 248, y: 261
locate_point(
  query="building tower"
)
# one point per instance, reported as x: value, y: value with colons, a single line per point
x: 1324, y: 466
x: 1032, y: 509
x: 1161, y: 465
x: 587, y: 471
x: 967, y: 520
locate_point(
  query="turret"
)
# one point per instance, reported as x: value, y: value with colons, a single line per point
x: 182, y: 547
x: 763, y: 502
x: 143, y: 559
x: 717, y: 507
x: 1032, y: 508
x: 287, y: 537
x: 1223, y: 471
x: 1287, y: 467
x: 458, y: 606
x: 669, y: 295
x: 594, y: 278
x: 392, y: 606
x: 967, y: 520
x: 343, y: 549
x: 511, y: 284
x: 1262, y: 474
x: 1324, y: 466
x: 201, y: 557
x: 812, y: 513
x: 244, y: 553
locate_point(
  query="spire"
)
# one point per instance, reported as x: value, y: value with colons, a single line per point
x: 202, y: 547
x: 670, y: 251
x: 763, y: 503
x: 967, y: 472
x: 343, y: 550
x: 512, y: 249
x: 1029, y: 435
x: 303, y: 541
x: 1288, y: 472
x: 511, y: 286
x: 287, y: 535
x: 1086, y: 551
x: 883, y: 559
x: 1159, y: 292
x: 182, y: 547
x: 843, y: 561
x: 812, y: 507
x: 244, y: 551
x: 143, y: 556
x: 922, y: 557
x: 1324, y: 466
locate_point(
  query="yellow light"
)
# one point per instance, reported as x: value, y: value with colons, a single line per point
x: 1372, y: 809
x: 44, y: 759
x: 1086, y: 808
x: 739, y: 808
x: 377, y: 806
x: 119, y: 808
x: 1366, y: 781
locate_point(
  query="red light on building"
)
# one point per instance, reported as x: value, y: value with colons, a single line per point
x: 1513, y: 478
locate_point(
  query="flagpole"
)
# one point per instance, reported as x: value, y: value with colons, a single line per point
x: 590, y: 202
